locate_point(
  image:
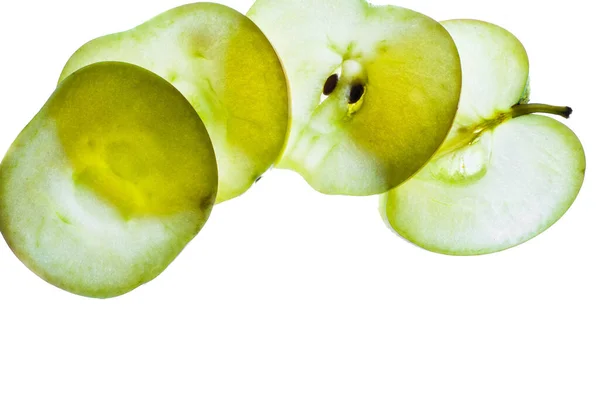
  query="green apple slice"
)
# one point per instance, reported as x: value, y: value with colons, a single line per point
x: 109, y: 181
x: 504, y: 175
x: 226, y: 68
x: 374, y: 90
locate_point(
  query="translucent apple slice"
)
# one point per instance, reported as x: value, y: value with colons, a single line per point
x: 503, y: 175
x: 225, y: 66
x: 374, y: 90
x: 512, y: 184
x: 109, y: 181
x: 495, y: 76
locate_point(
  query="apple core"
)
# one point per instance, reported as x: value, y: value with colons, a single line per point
x: 375, y: 90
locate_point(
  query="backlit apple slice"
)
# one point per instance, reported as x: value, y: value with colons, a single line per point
x: 374, y: 90
x: 504, y: 175
x: 109, y: 181
x: 225, y: 66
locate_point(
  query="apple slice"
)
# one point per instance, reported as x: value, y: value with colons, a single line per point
x: 109, y: 181
x: 374, y: 90
x: 226, y: 68
x: 504, y: 175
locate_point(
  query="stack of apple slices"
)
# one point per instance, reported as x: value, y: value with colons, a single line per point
x: 149, y: 128
x: 502, y: 175
x: 118, y: 168
x: 226, y: 68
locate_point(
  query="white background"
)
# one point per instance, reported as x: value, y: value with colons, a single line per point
x: 289, y: 294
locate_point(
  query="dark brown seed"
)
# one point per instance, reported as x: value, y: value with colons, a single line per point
x: 356, y: 93
x: 330, y: 84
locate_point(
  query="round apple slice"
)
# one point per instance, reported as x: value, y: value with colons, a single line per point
x: 374, y: 90
x: 226, y: 68
x: 503, y: 175
x: 109, y: 181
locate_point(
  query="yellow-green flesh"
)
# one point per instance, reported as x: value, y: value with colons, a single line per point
x: 497, y: 182
x: 109, y: 181
x: 409, y: 67
x: 226, y: 68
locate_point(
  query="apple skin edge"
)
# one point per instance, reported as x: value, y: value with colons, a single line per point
x: 386, y: 100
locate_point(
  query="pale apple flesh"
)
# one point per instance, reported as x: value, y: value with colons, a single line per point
x: 226, y: 68
x: 504, y: 175
x: 108, y: 183
x: 511, y: 185
x: 374, y: 89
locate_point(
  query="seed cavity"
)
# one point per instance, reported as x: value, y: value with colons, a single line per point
x: 356, y: 93
x: 330, y: 84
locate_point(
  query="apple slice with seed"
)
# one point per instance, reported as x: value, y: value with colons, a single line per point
x: 374, y: 90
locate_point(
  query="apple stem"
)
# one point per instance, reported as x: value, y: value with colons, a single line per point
x: 524, y: 109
